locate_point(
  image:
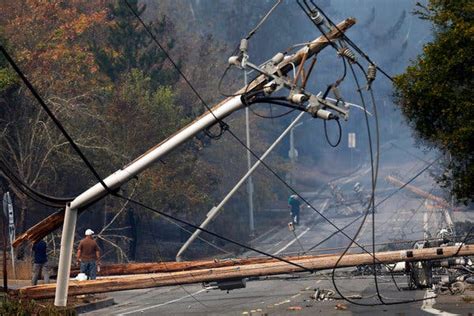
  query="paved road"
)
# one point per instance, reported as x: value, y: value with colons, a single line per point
x: 398, y: 218
x: 281, y: 296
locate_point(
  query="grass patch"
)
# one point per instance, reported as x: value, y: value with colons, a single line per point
x: 22, y: 307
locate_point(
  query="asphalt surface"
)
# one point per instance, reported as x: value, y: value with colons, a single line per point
x: 399, y: 218
x: 284, y: 295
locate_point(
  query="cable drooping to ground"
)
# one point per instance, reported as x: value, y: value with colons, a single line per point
x: 99, y: 178
x: 232, y: 133
x: 90, y: 166
x: 372, y: 168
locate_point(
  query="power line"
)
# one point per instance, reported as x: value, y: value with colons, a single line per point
x: 377, y: 205
x: 374, y: 173
x: 252, y: 32
x: 351, y: 43
x: 52, y: 116
x: 374, y: 176
x: 382, y: 302
x: 166, y: 267
x: 47, y: 200
x: 339, y: 137
x: 271, y: 116
x: 224, y: 126
x: 210, y: 233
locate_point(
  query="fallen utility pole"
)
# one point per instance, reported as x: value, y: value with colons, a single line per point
x: 221, y: 110
x: 243, y: 271
x: 173, y: 266
x: 440, y: 201
x: 209, y: 118
x: 446, y: 207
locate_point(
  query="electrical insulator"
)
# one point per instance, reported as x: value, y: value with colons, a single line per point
x: 348, y: 53
x: 325, y: 115
x: 234, y: 60
x: 371, y: 73
x: 278, y: 58
x: 317, y: 17
x: 299, y: 98
x: 244, y: 45
x: 269, y: 88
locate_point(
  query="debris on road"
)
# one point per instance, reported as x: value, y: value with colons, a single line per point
x: 340, y: 306
x: 295, y: 308
x: 323, y: 294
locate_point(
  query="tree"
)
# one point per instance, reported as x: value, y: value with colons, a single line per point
x: 47, y: 41
x: 436, y: 92
x: 129, y: 46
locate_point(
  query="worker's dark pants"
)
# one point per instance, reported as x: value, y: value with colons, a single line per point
x: 39, y: 268
x: 295, y: 217
x: 89, y: 268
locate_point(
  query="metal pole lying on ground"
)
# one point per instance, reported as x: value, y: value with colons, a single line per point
x: 213, y: 212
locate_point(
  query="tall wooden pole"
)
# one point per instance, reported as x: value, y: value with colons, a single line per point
x: 315, y: 263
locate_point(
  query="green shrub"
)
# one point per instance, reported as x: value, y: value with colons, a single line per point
x: 21, y: 307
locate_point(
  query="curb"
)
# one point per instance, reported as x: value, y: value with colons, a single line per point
x: 89, y: 307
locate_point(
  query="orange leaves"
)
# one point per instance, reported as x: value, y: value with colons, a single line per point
x: 51, y: 41
x: 79, y: 24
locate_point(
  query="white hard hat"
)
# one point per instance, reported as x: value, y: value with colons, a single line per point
x: 89, y: 232
x: 81, y: 277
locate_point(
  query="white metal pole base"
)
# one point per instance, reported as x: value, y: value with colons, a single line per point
x: 65, y: 255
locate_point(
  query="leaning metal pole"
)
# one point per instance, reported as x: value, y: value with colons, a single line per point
x: 64, y: 266
x: 143, y: 162
x: 213, y: 212
x: 122, y: 176
x: 249, y: 164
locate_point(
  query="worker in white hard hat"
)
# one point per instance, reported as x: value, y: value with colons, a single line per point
x: 88, y: 255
